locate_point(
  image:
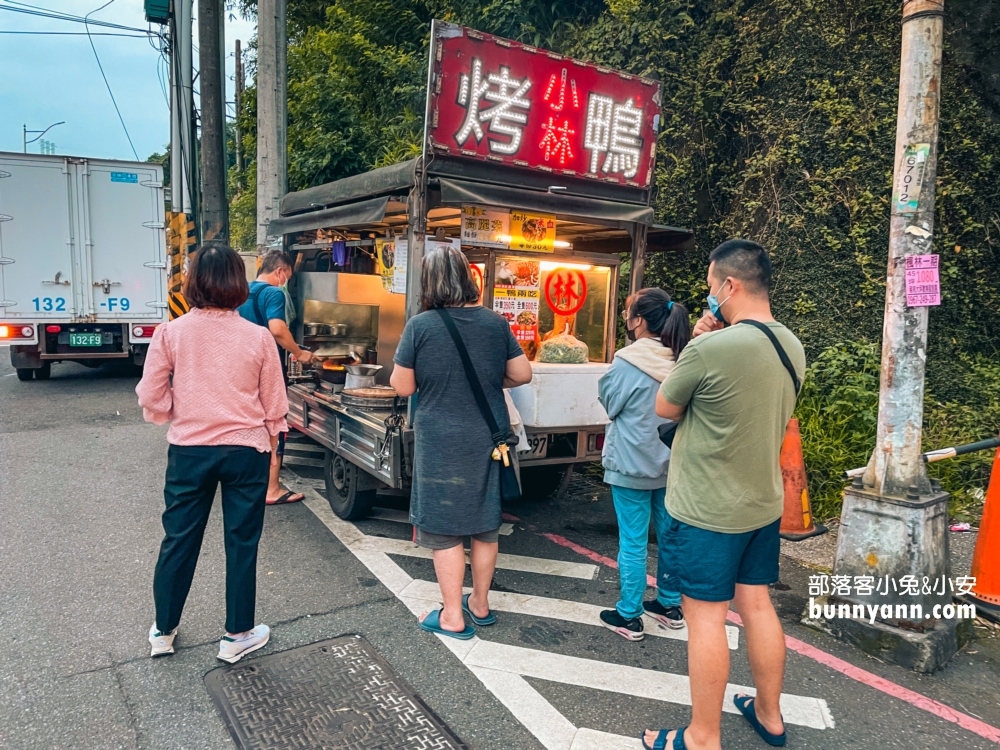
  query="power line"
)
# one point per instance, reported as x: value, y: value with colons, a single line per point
x: 75, y: 33
x: 101, y: 68
x: 33, y: 10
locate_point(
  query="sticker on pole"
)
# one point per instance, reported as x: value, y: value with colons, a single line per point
x: 923, y: 281
x: 909, y: 178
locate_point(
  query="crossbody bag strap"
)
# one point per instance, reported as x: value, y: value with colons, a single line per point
x: 778, y: 348
x: 470, y: 373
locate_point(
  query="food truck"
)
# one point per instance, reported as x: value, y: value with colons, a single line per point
x: 539, y: 167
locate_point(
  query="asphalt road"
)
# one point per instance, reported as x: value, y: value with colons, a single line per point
x: 80, y: 500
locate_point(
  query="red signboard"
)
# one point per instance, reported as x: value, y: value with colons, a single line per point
x: 497, y: 100
x: 566, y: 291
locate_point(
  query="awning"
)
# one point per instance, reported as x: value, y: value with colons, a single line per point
x: 358, y: 214
x: 396, y: 178
x: 457, y: 192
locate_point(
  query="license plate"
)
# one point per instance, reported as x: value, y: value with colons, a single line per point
x: 86, y: 339
x: 538, y: 446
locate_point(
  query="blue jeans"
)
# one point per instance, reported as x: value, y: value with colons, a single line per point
x: 633, y: 508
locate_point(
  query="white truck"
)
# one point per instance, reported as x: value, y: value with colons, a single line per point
x: 83, y: 260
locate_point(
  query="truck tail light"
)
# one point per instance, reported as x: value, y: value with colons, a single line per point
x: 12, y: 331
x: 53, y: 329
x: 143, y: 332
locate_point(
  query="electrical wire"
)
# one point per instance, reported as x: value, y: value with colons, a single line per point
x: 28, y: 10
x: 75, y: 33
x: 101, y: 67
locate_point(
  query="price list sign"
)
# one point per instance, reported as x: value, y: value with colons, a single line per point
x: 923, y: 281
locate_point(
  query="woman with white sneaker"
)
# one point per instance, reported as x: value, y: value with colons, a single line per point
x: 217, y: 380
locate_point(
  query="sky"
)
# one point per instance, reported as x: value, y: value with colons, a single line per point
x: 48, y: 78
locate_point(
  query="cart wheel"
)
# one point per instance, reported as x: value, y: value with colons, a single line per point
x: 44, y: 372
x: 25, y: 374
x: 538, y: 482
x: 348, y: 488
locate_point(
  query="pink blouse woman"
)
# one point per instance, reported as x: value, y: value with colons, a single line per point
x: 217, y: 380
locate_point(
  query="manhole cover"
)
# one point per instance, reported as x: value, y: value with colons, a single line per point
x: 337, y: 694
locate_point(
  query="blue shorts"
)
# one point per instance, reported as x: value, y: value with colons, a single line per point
x: 707, y: 565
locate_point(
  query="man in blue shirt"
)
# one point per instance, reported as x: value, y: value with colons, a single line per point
x: 266, y: 307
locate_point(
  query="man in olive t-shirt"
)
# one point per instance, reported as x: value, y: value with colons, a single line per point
x: 733, y: 397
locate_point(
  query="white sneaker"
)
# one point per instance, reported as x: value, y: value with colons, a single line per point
x: 232, y: 651
x: 162, y: 644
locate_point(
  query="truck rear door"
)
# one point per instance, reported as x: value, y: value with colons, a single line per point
x: 38, y: 279
x: 122, y: 219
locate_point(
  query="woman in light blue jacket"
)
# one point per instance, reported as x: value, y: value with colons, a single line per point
x: 635, y: 461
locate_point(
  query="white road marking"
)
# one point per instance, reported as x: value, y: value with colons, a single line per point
x: 555, y: 609
x: 502, y: 668
x: 506, y: 562
x: 401, y: 516
x: 620, y: 678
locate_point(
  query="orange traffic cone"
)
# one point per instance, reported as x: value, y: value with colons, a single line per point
x: 986, y: 559
x: 797, y: 521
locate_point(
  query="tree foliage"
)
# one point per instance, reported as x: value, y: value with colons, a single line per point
x: 778, y: 124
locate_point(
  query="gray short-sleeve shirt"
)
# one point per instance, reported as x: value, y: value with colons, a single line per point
x: 455, y: 481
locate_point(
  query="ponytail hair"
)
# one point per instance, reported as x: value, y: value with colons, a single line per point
x: 663, y: 316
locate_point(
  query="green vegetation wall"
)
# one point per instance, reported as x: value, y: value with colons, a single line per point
x: 778, y: 125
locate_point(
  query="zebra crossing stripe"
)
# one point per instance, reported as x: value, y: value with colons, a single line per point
x: 502, y: 668
x: 504, y: 561
x: 401, y: 516
x: 554, y: 609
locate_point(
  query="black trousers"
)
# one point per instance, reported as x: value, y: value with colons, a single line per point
x: 193, y: 475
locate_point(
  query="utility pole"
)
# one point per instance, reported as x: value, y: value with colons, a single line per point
x: 894, y: 524
x: 239, y: 108
x: 215, y: 207
x: 182, y: 174
x: 272, y: 114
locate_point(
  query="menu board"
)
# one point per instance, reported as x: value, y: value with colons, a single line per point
x: 516, y: 296
x: 399, y: 270
x: 485, y: 227
x: 532, y: 232
x: 385, y: 253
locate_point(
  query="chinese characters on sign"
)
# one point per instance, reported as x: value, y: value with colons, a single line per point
x: 566, y: 291
x: 385, y: 252
x: 923, y: 282
x: 502, y: 101
x: 532, y: 232
x: 486, y: 227
x: 516, y: 296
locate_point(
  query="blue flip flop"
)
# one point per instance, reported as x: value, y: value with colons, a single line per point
x: 432, y: 624
x: 745, y: 705
x: 660, y: 743
x: 490, y: 619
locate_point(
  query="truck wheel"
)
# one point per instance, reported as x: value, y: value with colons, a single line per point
x: 348, y: 488
x: 44, y: 372
x: 25, y: 374
x: 538, y: 482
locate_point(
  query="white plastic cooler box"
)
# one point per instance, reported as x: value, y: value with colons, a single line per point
x: 561, y: 396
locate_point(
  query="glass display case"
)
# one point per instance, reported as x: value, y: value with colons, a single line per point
x: 559, y: 309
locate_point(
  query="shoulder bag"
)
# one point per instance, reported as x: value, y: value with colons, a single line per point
x: 667, y: 431
x: 510, y: 487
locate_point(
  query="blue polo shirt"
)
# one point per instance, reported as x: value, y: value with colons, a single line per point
x: 265, y: 303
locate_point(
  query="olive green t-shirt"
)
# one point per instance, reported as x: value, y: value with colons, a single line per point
x: 724, y: 472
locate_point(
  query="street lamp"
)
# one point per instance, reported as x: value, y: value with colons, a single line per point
x: 40, y: 134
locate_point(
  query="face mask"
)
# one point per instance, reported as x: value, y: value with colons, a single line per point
x: 715, y: 306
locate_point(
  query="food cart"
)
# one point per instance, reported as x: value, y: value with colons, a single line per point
x: 540, y: 168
